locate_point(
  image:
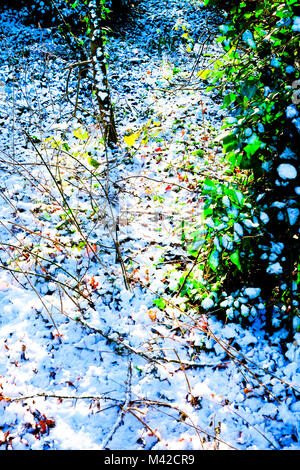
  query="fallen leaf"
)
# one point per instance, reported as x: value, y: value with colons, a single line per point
x: 152, y: 315
x: 131, y: 139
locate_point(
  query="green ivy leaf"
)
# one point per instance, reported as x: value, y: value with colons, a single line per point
x: 160, y: 303
x: 252, y: 148
x: 235, y: 258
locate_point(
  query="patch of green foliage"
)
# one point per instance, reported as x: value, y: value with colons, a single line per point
x: 258, y: 78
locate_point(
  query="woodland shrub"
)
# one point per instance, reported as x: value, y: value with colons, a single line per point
x: 82, y: 24
x: 258, y: 77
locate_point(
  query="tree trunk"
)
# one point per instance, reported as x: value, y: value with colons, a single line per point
x: 106, y: 115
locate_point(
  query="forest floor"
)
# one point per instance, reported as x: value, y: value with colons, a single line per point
x: 90, y: 238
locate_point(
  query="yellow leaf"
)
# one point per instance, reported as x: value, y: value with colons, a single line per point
x: 81, y: 134
x: 130, y: 139
x: 56, y: 143
x: 203, y: 74
x: 218, y: 64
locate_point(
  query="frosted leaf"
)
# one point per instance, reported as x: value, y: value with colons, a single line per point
x: 253, y: 311
x: 248, y: 38
x: 238, y: 229
x: 278, y: 204
x: 209, y: 222
x: 293, y: 214
x: 217, y: 244
x: 264, y: 217
x: 226, y: 201
x: 224, y: 28
x: 226, y: 242
x: 244, y: 310
x: 291, y: 111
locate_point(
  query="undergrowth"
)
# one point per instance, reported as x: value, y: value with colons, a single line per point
x: 241, y: 253
x: 251, y: 227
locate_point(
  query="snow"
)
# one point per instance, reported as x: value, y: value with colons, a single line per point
x: 274, y: 268
x: 275, y: 62
x: 207, y: 303
x: 260, y: 127
x: 288, y: 154
x: 113, y: 351
x: 291, y: 111
x: 296, y: 123
x: 287, y: 171
x: 290, y: 69
x: 252, y: 292
x: 296, y: 24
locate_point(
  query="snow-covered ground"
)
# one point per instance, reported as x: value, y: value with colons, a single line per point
x: 86, y: 363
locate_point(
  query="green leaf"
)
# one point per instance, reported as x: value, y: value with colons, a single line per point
x: 160, y: 303
x: 229, y: 98
x: 209, y: 184
x: 198, y: 153
x: 252, y: 148
x: 207, y: 212
x: 235, y: 258
x: 230, y: 142
x: 93, y: 162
